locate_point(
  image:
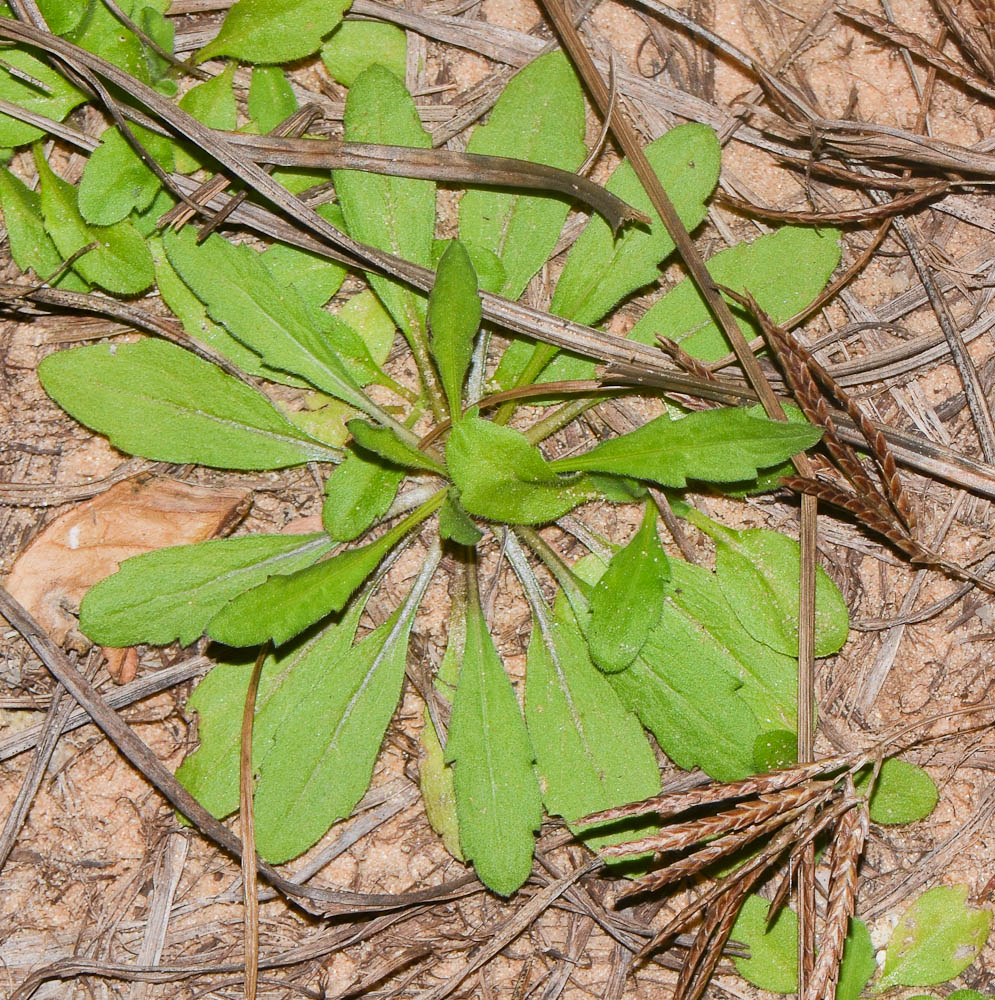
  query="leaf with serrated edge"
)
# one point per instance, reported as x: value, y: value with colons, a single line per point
x: 503, y: 477
x: 627, y: 601
x: 159, y: 401
x: 172, y: 594
x: 591, y: 752
x: 858, y: 964
x: 274, y: 31
x: 384, y: 442
x: 497, y: 795
x: 120, y: 261
x: 938, y: 937
x: 784, y: 271
x: 773, y: 961
x: 712, y: 445
x: 453, y: 318
x: 358, y: 492
x: 539, y: 117
x: 396, y: 214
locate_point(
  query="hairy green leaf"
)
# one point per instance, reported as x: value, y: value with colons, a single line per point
x: 903, y: 793
x: 55, y: 101
x: 274, y: 31
x: 120, y: 261
x: 455, y: 524
x: 213, y: 101
x: 539, y: 117
x: 938, y: 937
x: 358, y: 492
x: 713, y: 445
x: 172, y: 594
x: 783, y: 271
x: 157, y: 400
x: 356, y: 45
x: 314, y: 278
x: 271, y: 98
x: 502, y: 476
x: 591, y: 752
x: 365, y: 314
x: 858, y: 964
x: 497, y: 795
x: 773, y: 961
x: 454, y: 318
x: 627, y: 601
x: 384, y: 442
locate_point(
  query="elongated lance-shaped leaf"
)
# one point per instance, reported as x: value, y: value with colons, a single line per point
x: 328, y: 724
x: 359, y: 491
x: 120, y: 260
x: 717, y: 446
x: 157, y: 400
x: 272, y: 320
x: 538, y: 117
x: 286, y: 604
x: 454, y: 318
x: 858, y: 964
x: 627, y: 601
x: 390, y: 213
x: 502, y: 476
x: 589, y: 748
x: 211, y: 772
x: 384, y: 442
x: 172, y: 594
x: 497, y: 795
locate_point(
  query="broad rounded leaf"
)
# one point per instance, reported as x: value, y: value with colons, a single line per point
x: 903, y: 793
x: 773, y: 961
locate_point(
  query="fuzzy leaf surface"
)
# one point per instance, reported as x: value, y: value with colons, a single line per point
x: 454, y: 318
x: 938, y: 937
x: 357, y: 492
x: 384, y: 442
x: 712, y: 445
x: 903, y: 793
x: 271, y: 98
x: 154, y: 399
x: 539, y: 117
x: 455, y: 524
x: 356, y: 45
x: 172, y: 594
x: 773, y: 961
x: 55, y: 102
x: 502, y: 476
x: 497, y: 795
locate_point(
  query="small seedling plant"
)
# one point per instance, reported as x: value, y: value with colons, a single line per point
x: 431, y: 450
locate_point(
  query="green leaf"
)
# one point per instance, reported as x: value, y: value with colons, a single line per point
x: 773, y: 961
x: 775, y: 749
x: 758, y: 571
x: 274, y: 31
x: 213, y: 101
x: 272, y: 320
x: 938, y: 937
x: 55, y: 101
x: 30, y: 245
x: 497, y: 795
x: 455, y: 524
x: 454, y: 318
x: 61, y: 16
x: 211, y: 772
x: 356, y: 45
x: 323, y: 418
x: 539, y: 117
x: 313, y: 277
x: 288, y: 603
x: 329, y: 722
x: 627, y: 601
x: 391, y: 213
x: 358, y: 492
x: 115, y: 180
x: 365, y: 314
x: 271, y: 98
x: 784, y: 271
x: 490, y: 270
x: 713, y: 445
x: 858, y: 964
x: 591, y: 752
x: 384, y: 442
x: 172, y: 594
x: 903, y: 793
x: 120, y: 262
x: 154, y: 399
x: 502, y: 476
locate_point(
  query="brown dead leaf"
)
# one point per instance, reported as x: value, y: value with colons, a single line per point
x: 85, y: 544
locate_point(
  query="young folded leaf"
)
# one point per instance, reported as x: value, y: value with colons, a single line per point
x: 497, y: 795
x: 591, y: 752
x: 454, y: 318
x: 120, y: 262
x: 502, y: 476
x: 358, y: 492
x: 455, y: 524
x: 173, y: 593
x: 717, y: 446
x: 286, y: 604
x: 159, y: 401
x: 384, y: 442
x: 627, y: 601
